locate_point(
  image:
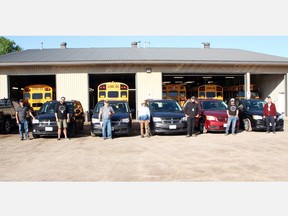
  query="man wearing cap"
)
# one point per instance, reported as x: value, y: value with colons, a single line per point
x: 21, y: 119
x: 191, y: 111
x: 232, y: 112
x: 270, y: 114
x: 105, y: 114
x: 144, y: 119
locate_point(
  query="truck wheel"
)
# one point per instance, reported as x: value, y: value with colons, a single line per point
x: 247, y: 125
x: 7, y: 126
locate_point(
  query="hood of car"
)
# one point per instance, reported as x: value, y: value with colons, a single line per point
x: 168, y: 114
x: 215, y: 112
x: 42, y: 116
x: 115, y: 116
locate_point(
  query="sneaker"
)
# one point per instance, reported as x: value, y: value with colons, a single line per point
x: 267, y: 132
x: 234, y: 134
x: 22, y: 139
x: 194, y: 135
x: 142, y: 136
x: 226, y: 134
x: 67, y: 138
x: 274, y: 132
x: 58, y: 138
x: 188, y: 135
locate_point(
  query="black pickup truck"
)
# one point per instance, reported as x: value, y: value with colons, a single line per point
x: 7, y: 114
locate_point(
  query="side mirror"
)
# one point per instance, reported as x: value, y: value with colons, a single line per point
x: 91, y: 111
x: 132, y: 110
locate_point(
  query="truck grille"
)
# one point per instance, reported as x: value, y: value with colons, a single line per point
x: 44, y: 123
x: 171, y: 120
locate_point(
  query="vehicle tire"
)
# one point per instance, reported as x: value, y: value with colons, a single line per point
x: 7, y: 126
x: 36, y: 136
x: 247, y: 125
x: 202, y: 128
x: 93, y: 135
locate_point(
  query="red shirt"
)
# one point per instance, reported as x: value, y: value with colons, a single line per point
x: 271, y: 112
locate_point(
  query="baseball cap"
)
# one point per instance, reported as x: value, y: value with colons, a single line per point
x: 21, y: 100
x: 193, y: 97
x: 232, y: 99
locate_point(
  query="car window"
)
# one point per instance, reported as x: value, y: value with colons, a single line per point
x: 214, y: 105
x: 255, y: 105
x: 118, y: 107
x: 165, y: 106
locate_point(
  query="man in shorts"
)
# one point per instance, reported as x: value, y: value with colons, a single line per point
x: 62, y: 117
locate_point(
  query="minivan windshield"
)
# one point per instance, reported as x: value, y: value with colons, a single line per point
x: 118, y: 107
x: 165, y: 106
x: 213, y: 105
x: 49, y: 107
x: 255, y: 105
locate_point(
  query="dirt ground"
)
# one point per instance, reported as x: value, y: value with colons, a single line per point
x: 248, y: 156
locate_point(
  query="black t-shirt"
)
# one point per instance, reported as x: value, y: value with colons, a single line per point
x: 22, y: 112
x: 61, y: 110
x: 232, y: 109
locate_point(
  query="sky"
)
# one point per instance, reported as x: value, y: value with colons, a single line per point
x: 273, y: 45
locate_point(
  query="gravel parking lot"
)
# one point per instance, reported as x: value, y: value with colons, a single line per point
x: 248, y: 156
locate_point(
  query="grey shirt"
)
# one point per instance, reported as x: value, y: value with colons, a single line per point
x: 22, y: 112
x: 106, y: 112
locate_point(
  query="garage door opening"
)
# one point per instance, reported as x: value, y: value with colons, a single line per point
x: 96, y: 80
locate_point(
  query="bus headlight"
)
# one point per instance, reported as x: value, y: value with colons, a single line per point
x: 125, y: 120
x: 35, y: 121
x: 95, y: 120
x: 157, y: 119
x: 257, y: 117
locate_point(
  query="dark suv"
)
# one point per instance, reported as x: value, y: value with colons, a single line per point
x: 45, y: 121
x: 251, y: 115
x: 167, y: 117
x: 121, y: 119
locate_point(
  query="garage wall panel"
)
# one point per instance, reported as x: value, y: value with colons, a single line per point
x: 73, y: 86
x: 148, y: 86
x: 3, y: 86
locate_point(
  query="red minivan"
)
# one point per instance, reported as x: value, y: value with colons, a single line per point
x: 213, y: 116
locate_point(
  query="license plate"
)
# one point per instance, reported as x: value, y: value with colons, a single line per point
x: 224, y: 125
x: 48, y: 128
x: 112, y: 128
x: 172, y: 127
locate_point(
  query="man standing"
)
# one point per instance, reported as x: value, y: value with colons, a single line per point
x: 62, y: 117
x: 21, y: 119
x: 105, y: 114
x: 232, y: 112
x: 270, y: 114
x: 191, y: 111
x: 144, y: 119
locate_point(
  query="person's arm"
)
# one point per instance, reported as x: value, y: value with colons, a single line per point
x: 148, y: 113
x: 237, y: 112
x: 99, y: 115
x: 55, y: 112
x: 17, y: 117
x: 264, y: 111
x: 30, y: 113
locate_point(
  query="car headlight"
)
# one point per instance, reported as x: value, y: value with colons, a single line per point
x: 184, y: 119
x: 125, y: 120
x: 280, y: 117
x: 157, y: 119
x: 211, y: 118
x: 35, y: 121
x: 95, y: 120
x: 257, y: 117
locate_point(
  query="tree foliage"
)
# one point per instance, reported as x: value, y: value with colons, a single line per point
x: 8, y: 46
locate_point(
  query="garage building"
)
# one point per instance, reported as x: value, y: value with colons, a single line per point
x: 76, y: 72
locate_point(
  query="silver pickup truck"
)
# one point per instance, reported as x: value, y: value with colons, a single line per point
x: 7, y: 114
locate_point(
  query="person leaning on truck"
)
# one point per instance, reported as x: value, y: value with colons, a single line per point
x: 21, y: 119
x: 62, y: 117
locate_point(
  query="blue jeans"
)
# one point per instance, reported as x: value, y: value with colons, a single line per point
x: 23, y: 126
x: 231, y: 119
x: 106, y: 126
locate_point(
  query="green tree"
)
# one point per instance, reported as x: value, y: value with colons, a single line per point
x: 8, y: 46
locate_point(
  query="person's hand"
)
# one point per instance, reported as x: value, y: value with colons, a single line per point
x: 57, y: 119
x: 274, y: 117
x: 68, y: 120
x: 17, y: 122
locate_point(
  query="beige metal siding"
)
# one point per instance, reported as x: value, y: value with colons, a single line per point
x: 3, y: 86
x: 148, y: 86
x: 73, y: 87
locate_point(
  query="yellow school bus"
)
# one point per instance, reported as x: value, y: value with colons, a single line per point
x: 174, y: 91
x: 210, y: 91
x: 113, y: 91
x: 36, y: 95
x: 238, y: 91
